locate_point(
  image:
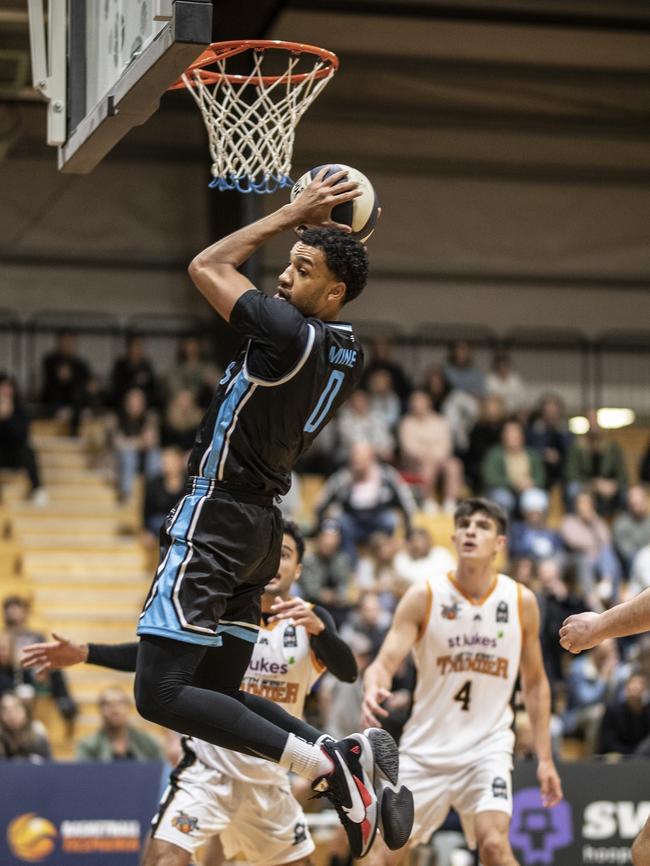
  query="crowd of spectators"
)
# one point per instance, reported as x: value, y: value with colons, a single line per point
x: 394, y: 464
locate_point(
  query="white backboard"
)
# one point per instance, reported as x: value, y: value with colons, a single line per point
x: 104, y: 64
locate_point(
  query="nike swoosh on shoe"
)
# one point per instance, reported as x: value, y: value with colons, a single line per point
x: 356, y: 812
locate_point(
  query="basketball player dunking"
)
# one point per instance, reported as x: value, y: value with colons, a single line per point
x: 470, y: 633
x: 221, y: 544
x: 245, y: 802
x: 586, y: 630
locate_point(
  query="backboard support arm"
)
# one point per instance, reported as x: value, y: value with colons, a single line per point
x: 49, y: 66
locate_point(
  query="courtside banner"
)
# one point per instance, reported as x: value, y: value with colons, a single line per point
x: 76, y: 814
x: 604, y: 807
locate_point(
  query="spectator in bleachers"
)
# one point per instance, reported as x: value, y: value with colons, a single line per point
x: 589, y: 540
x: 15, y: 612
x: 461, y: 371
x: 485, y: 434
x: 192, y: 372
x: 162, y: 491
x: 180, y: 421
x: 639, y: 572
x: 9, y: 673
x: 631, y: 528
x: 427, y: 452
x: 364, y: 497
x: 437, y: 387
x: 459, y: 407
x: 381, y: 350
x: 556, y: 602
x: 593, y: 680
x: 503, y: 381
x: 523, y: 569
x: 136, y: 439
x: 357, y: 423
x: 326, y: 572
x: 596, y: 463
x: 20, y: 737
x: 548, y: 433
x: 420, y: 559
x: 644, y: 467
x: 375, y: 571
x: 531, y: 538
x: 15, y: 449
x: 384, y: 401
x: 369, y: 619
x: 117, y: 739
x: 510, y: 468
x: 133, y: 370
x: 66, y: 381
x: 626, y: 722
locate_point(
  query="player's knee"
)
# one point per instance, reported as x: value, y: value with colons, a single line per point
x: 493, y: 850
x: 148, y: 699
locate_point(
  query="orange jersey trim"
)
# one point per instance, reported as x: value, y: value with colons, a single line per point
x: 427, y: 613
x: 473, y: 601
x: 319, y: 667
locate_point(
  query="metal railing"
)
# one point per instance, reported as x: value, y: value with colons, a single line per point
x: 611, y: 369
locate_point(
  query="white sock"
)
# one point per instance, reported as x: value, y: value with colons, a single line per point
x: 305, y: 759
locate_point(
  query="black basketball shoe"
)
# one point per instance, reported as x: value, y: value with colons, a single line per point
x: 355, y: 787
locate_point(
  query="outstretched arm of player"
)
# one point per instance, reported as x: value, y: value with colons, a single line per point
x: 63, y: 653
x: 330, y: 649
x: 537, y: 697
x: 585, y: 630
x: 214, y: 271
x: 408, y: 621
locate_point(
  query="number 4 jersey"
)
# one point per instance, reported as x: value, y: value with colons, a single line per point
x: 275, y: 396
x: 467, y: 659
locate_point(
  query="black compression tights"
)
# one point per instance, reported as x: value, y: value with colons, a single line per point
x: 195, y: 690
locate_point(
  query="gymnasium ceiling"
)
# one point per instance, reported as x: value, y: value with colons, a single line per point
x: 468, y: 87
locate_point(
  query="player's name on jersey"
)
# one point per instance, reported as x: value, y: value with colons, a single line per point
x: 474, y: 662
x: 344, y: 357
x: 279, y: 692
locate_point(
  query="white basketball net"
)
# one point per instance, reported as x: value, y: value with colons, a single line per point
x: 251, y: 124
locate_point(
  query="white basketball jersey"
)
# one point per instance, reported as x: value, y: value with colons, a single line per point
x: 467, y: 660
x: 283, y: 669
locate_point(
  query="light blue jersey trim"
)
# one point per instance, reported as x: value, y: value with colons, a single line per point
x: 223, y: 421
x: 159, y: 612
x: 180, y: 635
x: 250, y: 635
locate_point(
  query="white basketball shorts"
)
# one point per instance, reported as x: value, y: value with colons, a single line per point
x: 263, y: 823
x: 485, y: 786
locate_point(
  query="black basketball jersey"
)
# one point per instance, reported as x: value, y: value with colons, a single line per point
x: 274, y: 398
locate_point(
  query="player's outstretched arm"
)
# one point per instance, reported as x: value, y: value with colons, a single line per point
x: 214, y: 271
x: 330, y: 649
x: 537, y: 697
x: 585, y: 630
x: 63, y: 653
x: 410, y: 618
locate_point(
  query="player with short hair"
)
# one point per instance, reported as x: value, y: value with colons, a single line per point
x: 471, y: 632
x: 246, y: 801
x: 584, y: 631
x: 221, y: 544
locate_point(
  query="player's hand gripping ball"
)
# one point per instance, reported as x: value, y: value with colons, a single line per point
x: 361, y: 214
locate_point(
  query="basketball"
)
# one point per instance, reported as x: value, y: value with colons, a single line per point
x: 361, y: 213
